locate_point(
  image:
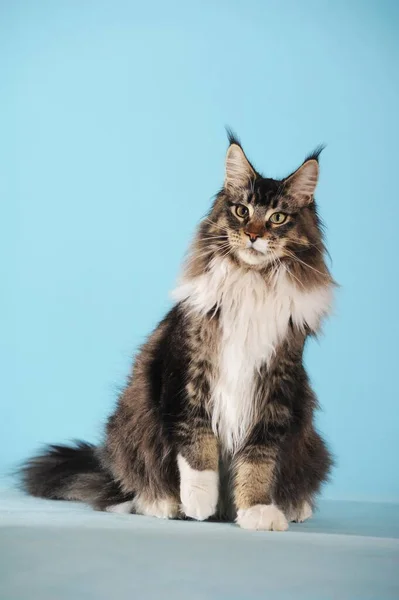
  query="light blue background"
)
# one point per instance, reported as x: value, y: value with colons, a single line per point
x: 111, y: 146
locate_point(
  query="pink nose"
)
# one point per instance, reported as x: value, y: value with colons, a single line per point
x: 252, y: 236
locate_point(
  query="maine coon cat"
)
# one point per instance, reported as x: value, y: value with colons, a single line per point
x: 217, y: 418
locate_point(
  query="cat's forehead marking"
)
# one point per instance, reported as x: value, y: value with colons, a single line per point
x: 266, y: 190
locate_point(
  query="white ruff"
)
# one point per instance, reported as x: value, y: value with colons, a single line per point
x: 254, y: 319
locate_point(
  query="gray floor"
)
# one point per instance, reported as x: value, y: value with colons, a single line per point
x: 58, y: 550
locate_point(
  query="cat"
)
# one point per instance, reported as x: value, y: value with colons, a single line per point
x: 217, y: 418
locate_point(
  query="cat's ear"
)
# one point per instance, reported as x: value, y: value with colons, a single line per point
x: 238, y: 171
x: 301, y: 185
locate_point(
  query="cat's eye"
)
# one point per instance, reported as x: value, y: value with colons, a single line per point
x: 241, y: 211
x: 278, y: 218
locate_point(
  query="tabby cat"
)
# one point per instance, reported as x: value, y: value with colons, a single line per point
x: 217, y: 418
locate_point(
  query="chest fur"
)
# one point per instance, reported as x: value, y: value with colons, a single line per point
x: 254, y: 320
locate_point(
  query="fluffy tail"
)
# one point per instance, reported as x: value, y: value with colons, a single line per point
x: 71, y: 473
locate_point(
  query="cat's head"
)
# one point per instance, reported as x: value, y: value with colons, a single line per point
x: 258, y: 221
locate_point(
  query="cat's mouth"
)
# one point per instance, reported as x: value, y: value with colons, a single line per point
x: 252, y: 256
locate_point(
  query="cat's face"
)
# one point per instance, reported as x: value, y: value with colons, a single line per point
x: 261, y: 221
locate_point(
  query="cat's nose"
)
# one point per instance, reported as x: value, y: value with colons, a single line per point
x: 252, y: 236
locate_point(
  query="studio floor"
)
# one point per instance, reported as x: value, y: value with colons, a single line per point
x: 64, y: 551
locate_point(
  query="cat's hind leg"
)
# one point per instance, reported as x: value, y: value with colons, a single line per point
x: 162, y: 508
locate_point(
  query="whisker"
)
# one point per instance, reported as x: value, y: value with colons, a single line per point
x: 223, y: 227
x: 213, y: 249
x: 205, y: 253
x: 214, y: 237
x: 295, y: 258
x: 291, y: 274
x: 276, y: 264
x: 228, y: 249
x: 323, y: 250
x: 306, y: 245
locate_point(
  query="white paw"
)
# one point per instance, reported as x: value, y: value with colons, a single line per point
x: 167, y: 508
x: 266, y: 517
x: 123, y: 508
x: 198, y: 491
x: 198, y: 503
x: 301, y: 514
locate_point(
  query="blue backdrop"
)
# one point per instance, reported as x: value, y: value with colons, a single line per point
x: 110, y: 112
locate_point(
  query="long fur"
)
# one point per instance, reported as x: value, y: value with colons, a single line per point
x: 217, y: 418
x: 254, y: 320
x: 73, y: 472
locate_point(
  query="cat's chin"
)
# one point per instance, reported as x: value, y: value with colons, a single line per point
x: 252, y: 257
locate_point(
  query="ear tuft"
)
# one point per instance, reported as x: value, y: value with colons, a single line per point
x: 238, y: 168
x: 301, y: 185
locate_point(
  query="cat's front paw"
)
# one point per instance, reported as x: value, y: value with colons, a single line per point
x: 198, y: 491
x: 266, y: 517
x: 199, y: 504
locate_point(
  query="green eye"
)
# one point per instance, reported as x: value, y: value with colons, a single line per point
x: 278, y: 218
x: 241, y: 211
